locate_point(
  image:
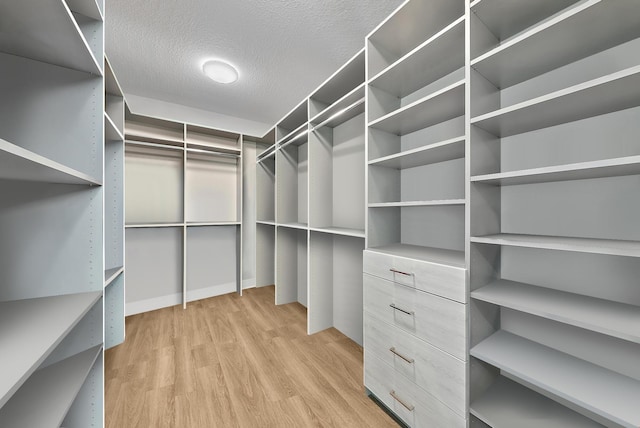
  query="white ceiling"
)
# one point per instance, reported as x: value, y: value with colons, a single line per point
x: 283, y: 50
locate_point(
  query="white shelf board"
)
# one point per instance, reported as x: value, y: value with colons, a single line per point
x: 342, y: 115
x: 31, y: 329
x: 51, y: 35
x: 142, y: 138
x: 507, y: 404
x: 212, y: 223
x: 566, y: 37
x: 427, y: 254
x: 507, y: 17
x: 111, y: 131
x: 343, y: 231
x: 88, y: 8
x: 295, y: 119
x: 268, y: 223
x: 611, y: 318
x: 212, y: 148
x: 436, y: 202
x: 561, y: 243
x: 399, y: 34
x: 437, y: 107
x: 111, y: 274
x: 595, y: 389
x: 111, y: 83
x: 302, y: 226
x: 17, y: 163
x: 295, y: 137
x: 617, y: 91
x: 418, y: 68
x: 433, y: 153
x: 577, y: 171
x: 46, y: 397
x: 152, y: 225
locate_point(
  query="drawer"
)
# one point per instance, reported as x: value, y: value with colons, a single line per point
x: 439, y: 321
x: 411, y: 404
x: 440, y: 374
x: 443, y: 280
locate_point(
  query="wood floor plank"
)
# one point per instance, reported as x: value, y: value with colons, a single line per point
x: 232, y: 361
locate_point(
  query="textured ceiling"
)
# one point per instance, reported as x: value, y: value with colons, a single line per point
x: 283, y: 49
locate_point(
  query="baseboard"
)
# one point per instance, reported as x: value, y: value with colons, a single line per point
x: 216, y: 290
x: 248, y: 283
x: 132, y: 308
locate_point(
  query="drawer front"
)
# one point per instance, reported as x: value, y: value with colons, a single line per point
x: 445, y: 281
x: 439, y: 321
x: 415, y: 407
x: 440, y: 374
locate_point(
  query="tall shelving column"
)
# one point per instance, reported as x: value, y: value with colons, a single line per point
x: 114, y: 282
x: 51, y: 214
x: 265, y: 213
x: 554, y: 237
x: 154, y: 213
x: 292, y: 206
x: 336, y: 201
x: 415, y: 293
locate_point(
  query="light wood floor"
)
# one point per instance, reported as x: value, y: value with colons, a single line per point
x: 234, y: 361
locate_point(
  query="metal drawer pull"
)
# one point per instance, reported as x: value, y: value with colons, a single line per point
x: 407, y: 359
x: 409, y: 407
x: 400, y: 272
x: 393, y: 305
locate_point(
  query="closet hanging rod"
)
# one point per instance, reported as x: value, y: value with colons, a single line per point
x: 297, y: 137
x: 213, y: 153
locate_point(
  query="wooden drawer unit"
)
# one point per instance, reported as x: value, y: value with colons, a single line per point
x: 410, y: 403
x: 429, y: 367
x: 443, y: 280
x: 439, y: 321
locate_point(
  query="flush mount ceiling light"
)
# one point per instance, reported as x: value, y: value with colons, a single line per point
x: 220, y: 71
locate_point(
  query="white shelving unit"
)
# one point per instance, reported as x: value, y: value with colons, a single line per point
x: 552, y: 174
x: 51, y: 162
x: 416, y: 205
x: 184, y: 206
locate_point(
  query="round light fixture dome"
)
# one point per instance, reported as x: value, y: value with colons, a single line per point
x: 220, y: 71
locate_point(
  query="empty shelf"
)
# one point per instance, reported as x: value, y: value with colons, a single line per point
x: 418, y: 203
x: 417, y: 68
x: 31, y: 329
x: 152, y: 225
x: 566, y: 37
x: 427, y: 254
x: 582, y: 245
x: 88, y: 8
x: 345, y: 102
x: 210, y: 149
x: 53, y: 388
x: 507, y: 404
x: 505, y: 17
x: 213, y: 223
x: 577, y: 171
x: 617, y: 91
x: 111, y: 274
x: 111, y: 131
x: 17, y: 163
x: 433, y: 153
x: 357, y: 233
x: 598, y: 391
x: 294, y: 225
x: 440, y: 106
x: 51, y: 35
x: 602, y: 316
x: 267, y: 222
x: 342, y: 115
x: 295, y: 136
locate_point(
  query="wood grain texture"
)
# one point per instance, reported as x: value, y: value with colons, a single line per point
x: 232, y: 361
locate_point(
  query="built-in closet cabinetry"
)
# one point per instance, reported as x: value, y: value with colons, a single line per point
x: 554, y: 231
x: 54, y: 178
x: 310, y: 204
x: 415, y: 294
x: 183, y: 212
